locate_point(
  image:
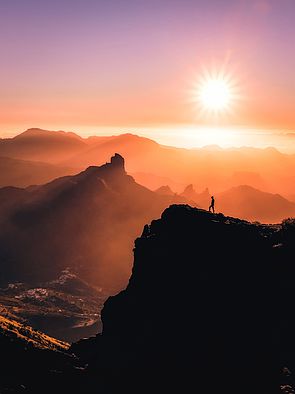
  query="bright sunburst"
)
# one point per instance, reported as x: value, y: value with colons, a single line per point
x: 215, y: 93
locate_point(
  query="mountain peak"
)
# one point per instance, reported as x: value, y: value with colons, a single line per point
x: 34, y: 132
x: 118, y: 161
x: 165, y: 191
x: 189, y: 189
x: 111, y: 170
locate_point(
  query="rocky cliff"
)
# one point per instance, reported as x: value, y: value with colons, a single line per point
x: 206, y: 309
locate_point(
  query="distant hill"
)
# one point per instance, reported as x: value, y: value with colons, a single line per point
x: 154, y: 182
x: 202, y: 199
x: 247, y: 178
x: 245, y: 202
x: 252, y: 204
x: 154, y: 165
x: 42, y: 145
x: 165, y: 191
x: 218, y: 169
x: 128, y: 145
x: 22, y: 173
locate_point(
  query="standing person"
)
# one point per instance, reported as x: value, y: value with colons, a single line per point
x: 212, y: 205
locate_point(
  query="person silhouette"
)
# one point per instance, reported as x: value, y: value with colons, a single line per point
x: 212, y: 205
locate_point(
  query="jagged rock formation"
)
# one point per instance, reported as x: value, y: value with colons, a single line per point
x: 165, y: 191
x: 200, y: 312
x: 118, y: 162
x: 202, y: 199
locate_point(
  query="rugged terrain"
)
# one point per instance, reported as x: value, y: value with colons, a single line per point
x: 29, y: 356
x: 67, y: 245
x: 208, y: 308
x: 250, y: 183
x: 67, y: 308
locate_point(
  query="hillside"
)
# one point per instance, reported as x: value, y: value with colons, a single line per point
x: 30, y: 358
x: 207, y: 309
x: 84, y: 225
x: 266, y: 169
x: 67, y: 307
x: 14, y: 331
x: 42, y: 145
x: 252, y: 204
x: 22, y: 173
x: 75, y: 222
x: 245, y: 202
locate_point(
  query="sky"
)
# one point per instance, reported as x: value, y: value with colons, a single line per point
x: 117, y: 64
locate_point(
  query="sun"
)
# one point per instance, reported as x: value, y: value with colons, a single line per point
x: 215, y: 93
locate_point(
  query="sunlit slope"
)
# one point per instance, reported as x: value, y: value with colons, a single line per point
x: 17, y: 332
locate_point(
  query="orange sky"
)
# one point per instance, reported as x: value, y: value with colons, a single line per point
x: 92, y: 65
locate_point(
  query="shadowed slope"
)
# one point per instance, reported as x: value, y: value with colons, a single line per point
x: 86, y: 223
x: 22, y: 173
x: 198, y: 314
x: 29, y: 357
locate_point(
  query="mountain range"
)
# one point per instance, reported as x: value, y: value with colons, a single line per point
x: 86, y: 222
x: 66, y: 245
x: 246, y: 202
x: 219, y: 169
x: 79, y: 228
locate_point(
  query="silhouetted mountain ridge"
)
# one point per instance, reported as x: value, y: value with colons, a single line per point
x: 218, y: 169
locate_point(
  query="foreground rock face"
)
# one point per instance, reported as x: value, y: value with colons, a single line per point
x: 201, y: 310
